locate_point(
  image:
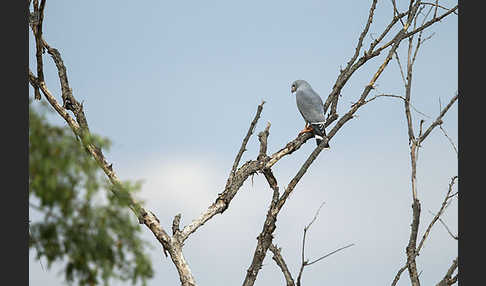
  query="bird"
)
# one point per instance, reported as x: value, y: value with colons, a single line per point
x: 311, y: 108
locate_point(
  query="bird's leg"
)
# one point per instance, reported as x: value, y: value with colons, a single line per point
x: 307, y: 128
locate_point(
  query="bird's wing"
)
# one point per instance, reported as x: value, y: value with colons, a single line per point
x: 310, y: 106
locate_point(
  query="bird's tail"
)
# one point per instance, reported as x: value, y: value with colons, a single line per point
x: 319, y: 133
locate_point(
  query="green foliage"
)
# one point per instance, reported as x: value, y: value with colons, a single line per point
x: 84, y: 225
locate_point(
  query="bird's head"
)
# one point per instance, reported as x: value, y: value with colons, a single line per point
x: 300, y: 83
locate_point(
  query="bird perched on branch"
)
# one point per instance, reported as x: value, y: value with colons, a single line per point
x: 311, y: 108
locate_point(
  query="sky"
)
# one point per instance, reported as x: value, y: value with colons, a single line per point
x: 175, y: 85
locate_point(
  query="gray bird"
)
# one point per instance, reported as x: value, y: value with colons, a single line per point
x: 311, y: 108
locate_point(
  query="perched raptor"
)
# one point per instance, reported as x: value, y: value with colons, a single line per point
x: 311, y: 108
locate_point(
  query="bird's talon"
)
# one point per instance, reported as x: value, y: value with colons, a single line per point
x: 307, y: 129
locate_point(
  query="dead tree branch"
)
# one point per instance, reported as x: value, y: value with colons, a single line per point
x: 394, y: 96
x: 319, y: 259
x: 333, y: 100
x: 439, y: 213
x: 437, y: 5
x: 277, y: 257
x: 437, y: 216
x: 446, y: 227
x: 244, y: 143
x: 265, y: 237
x: 305, y: 262
x: 238, y: 175
x: 347, y: 72
x: 412, y: 250
x: 37, y: 29
x: 448, y: 279
x: 438, y: 120
x: 448, y: 138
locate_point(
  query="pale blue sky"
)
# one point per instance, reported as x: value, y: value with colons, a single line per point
x: 175, y: 85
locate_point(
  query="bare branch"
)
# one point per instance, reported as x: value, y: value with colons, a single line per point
x: 288, y: 149
x: 419, y: 43
x: 262, y: 137
x: 277, y: 257
x: 446, y: 227
x: 447, y: 280
x: 410, y: 249
x: 432, y: 21
x: 346, y: 74
x: 437, y: 6
x: 319, y: 259
x: 415, y: 31
x: 265, y: 238
x: 90, y: 147
x: 234, y: 182
x: 69, y: 102
x: 363, y: 34
x: 238, y: 174
x: 362, y: 100
x: 315, y: 217
x: 245, y: 141
x: 450, y: 140
x: 384, y: 95
x: 424, y: 237
x: 175, y: 224
x: 414, y: 148
x: 37, y: 30
x: 246, y: 170
x: 393, y: 96
x: 303, y: 261
x: 371, y: 53
x: 79, y: 127
x: 395, y: 11
x: 401, y: 68
x: 329, y: 254
x: 399, y: 273
x: 408, y: 86
x: 439, y: 213
x: 335, y: 97
x: 438, y: 121
x: 300, y: 173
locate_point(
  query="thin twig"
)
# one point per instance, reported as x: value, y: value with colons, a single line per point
x: 394, y: 96
x: 395, y: 11
x: 235, y: 180
x: 315, y: 217
x: 303, y: 261
x: 450, y: 140
x: 434, y: 20
x: 245, y: 141
x: 438, y: 121
x: 371, y: 13
x: 424, y: 237
x: 415, y: 31
x: 401, y: 68
x: 446, y: 227
x: 329, y: 254
x: 436, y: 5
